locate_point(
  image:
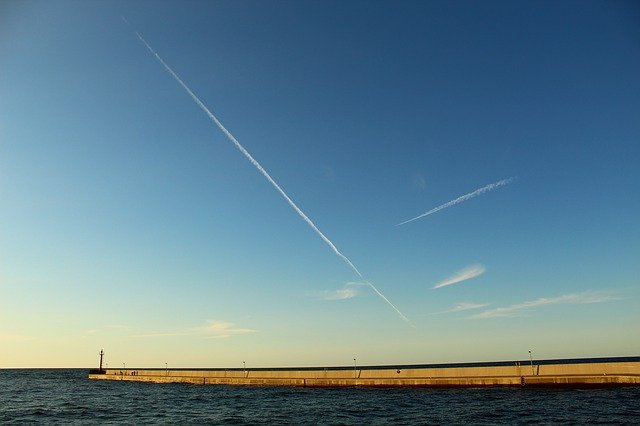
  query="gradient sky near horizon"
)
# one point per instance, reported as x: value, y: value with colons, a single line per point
x: 130, y: 223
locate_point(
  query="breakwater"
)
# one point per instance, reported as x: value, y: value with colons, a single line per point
x: 568, y: 372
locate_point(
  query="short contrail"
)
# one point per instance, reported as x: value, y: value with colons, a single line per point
x: 260, y: 168
x: 462, y: 198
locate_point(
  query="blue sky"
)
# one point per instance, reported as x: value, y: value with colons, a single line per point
x: 129, y: 222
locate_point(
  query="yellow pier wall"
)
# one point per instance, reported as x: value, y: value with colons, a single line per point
x: 598, y: 374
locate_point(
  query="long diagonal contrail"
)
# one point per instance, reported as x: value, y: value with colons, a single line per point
x: 462, y: 198
x: 262, y: 170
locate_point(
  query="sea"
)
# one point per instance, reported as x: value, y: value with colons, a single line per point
x: 67, y: 396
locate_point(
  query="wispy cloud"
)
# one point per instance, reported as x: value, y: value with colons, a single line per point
x: 109, y: 329
x: 461, y: 199
x: 462, y: 275
x: 261, y: 169
x: 15, y: 338
x: 465, y: 307
x: 350, y: 290
x: 221, y: 329
x: 520, y: 309
x: 329, y: 173
x: 419, y: 182
x: 211, y: 330
x: 460, y: 307
x: 119, y: 327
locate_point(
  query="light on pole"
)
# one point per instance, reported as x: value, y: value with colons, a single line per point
x: 166, y: 369
x: 531, y: 360
x: 244, y: 368
x: 355, y: 366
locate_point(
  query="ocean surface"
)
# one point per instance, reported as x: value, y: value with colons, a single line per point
x: 66, y: 396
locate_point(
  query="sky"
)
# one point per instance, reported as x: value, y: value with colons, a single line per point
x: 468, y: 171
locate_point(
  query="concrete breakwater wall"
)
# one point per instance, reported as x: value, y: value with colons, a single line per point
x: 543, y: 373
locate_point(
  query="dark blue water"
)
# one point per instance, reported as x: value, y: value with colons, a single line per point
x: 67, y: 396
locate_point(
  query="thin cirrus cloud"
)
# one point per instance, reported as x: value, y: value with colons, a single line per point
x: 419, y: 183
x: 463, y: 275
x: 222, y: 329
x: 15, y: 338
x: 465, y: 307
x: 462, y: 306
x: 211, y: 330
x: 350, y: 290
x: 109, y: 329
x: 521, y: 309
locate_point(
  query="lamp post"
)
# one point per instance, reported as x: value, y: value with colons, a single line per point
x: 531, y: 360
x: 101, y: 355
x: 166, y: 369
x: 244, y: 368
x: 355, y: 366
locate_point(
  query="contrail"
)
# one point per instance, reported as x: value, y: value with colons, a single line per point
x: 462, y: 198
x: 261, y: 169
x: 390, y: 304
